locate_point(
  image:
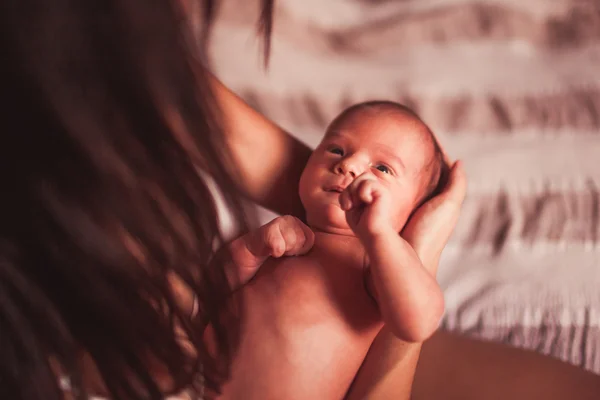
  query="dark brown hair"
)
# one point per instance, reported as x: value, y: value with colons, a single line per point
x: 107, y: 119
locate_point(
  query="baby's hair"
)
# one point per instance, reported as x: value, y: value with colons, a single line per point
x: 437, y: 168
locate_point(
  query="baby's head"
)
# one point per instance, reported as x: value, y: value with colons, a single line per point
x: 381, y: 138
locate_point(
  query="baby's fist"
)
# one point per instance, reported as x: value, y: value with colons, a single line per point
x: 367, y: 203
x: 287, y: 236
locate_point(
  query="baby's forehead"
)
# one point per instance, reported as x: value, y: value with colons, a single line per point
x: 383, y: 125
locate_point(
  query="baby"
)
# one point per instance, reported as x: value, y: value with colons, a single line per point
x: 308, y: 321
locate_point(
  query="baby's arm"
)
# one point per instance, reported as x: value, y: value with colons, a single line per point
x: 409, y: 298
x: 283, y: 236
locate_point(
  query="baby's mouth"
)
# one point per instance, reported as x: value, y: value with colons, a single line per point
x: 335, y: 189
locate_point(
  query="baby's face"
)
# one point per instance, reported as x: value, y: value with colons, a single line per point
x: 390, y: 148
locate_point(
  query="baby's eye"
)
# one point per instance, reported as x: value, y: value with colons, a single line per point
x: 336, y: 150
x: 383, y: 168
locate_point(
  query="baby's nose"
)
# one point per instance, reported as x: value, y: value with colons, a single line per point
x: 348, y: 168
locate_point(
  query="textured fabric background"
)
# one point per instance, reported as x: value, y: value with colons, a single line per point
x: 511, y: 87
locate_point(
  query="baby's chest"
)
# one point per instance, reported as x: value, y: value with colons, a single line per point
x: 308, y: 323
x: 316, y: 290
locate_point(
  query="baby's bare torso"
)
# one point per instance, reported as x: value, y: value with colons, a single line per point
x: 308, y: 323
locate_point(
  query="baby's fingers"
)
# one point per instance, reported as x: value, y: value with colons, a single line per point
x: 346, y: 199
x: 308, y: 239
x: 360, y: 191
x: 292, y: 237
x: 366, y: 192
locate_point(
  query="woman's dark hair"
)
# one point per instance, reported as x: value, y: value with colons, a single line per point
x: 107, y: 120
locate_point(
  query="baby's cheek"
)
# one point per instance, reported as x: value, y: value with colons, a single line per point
x: 306, y: 182
x: 404, y: 208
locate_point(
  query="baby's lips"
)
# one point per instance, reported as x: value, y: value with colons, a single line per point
x: 335, y: 188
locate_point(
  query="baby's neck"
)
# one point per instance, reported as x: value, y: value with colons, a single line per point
x: 337, y: 242
x: 338, y: 251
x: 331, y: 230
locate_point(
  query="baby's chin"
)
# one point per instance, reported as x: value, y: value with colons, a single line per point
x: 332, y: 219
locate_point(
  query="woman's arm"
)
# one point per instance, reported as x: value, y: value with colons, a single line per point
x: 269, y: 159
x: 453, y: 367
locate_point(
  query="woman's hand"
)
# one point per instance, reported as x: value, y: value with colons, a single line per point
x: 431, y: 226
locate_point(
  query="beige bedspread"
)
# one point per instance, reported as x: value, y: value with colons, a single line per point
x: 511, y: 87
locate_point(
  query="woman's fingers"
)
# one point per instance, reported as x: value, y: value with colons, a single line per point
x: 430, y: 228
x: 456, y: 187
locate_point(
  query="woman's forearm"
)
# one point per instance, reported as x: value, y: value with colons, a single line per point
x: 388, y: 370
x: 270, y: 161
x: 454, y: 367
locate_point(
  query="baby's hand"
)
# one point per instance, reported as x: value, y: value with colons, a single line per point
x: 367, y: 203
x: 286, y: 236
